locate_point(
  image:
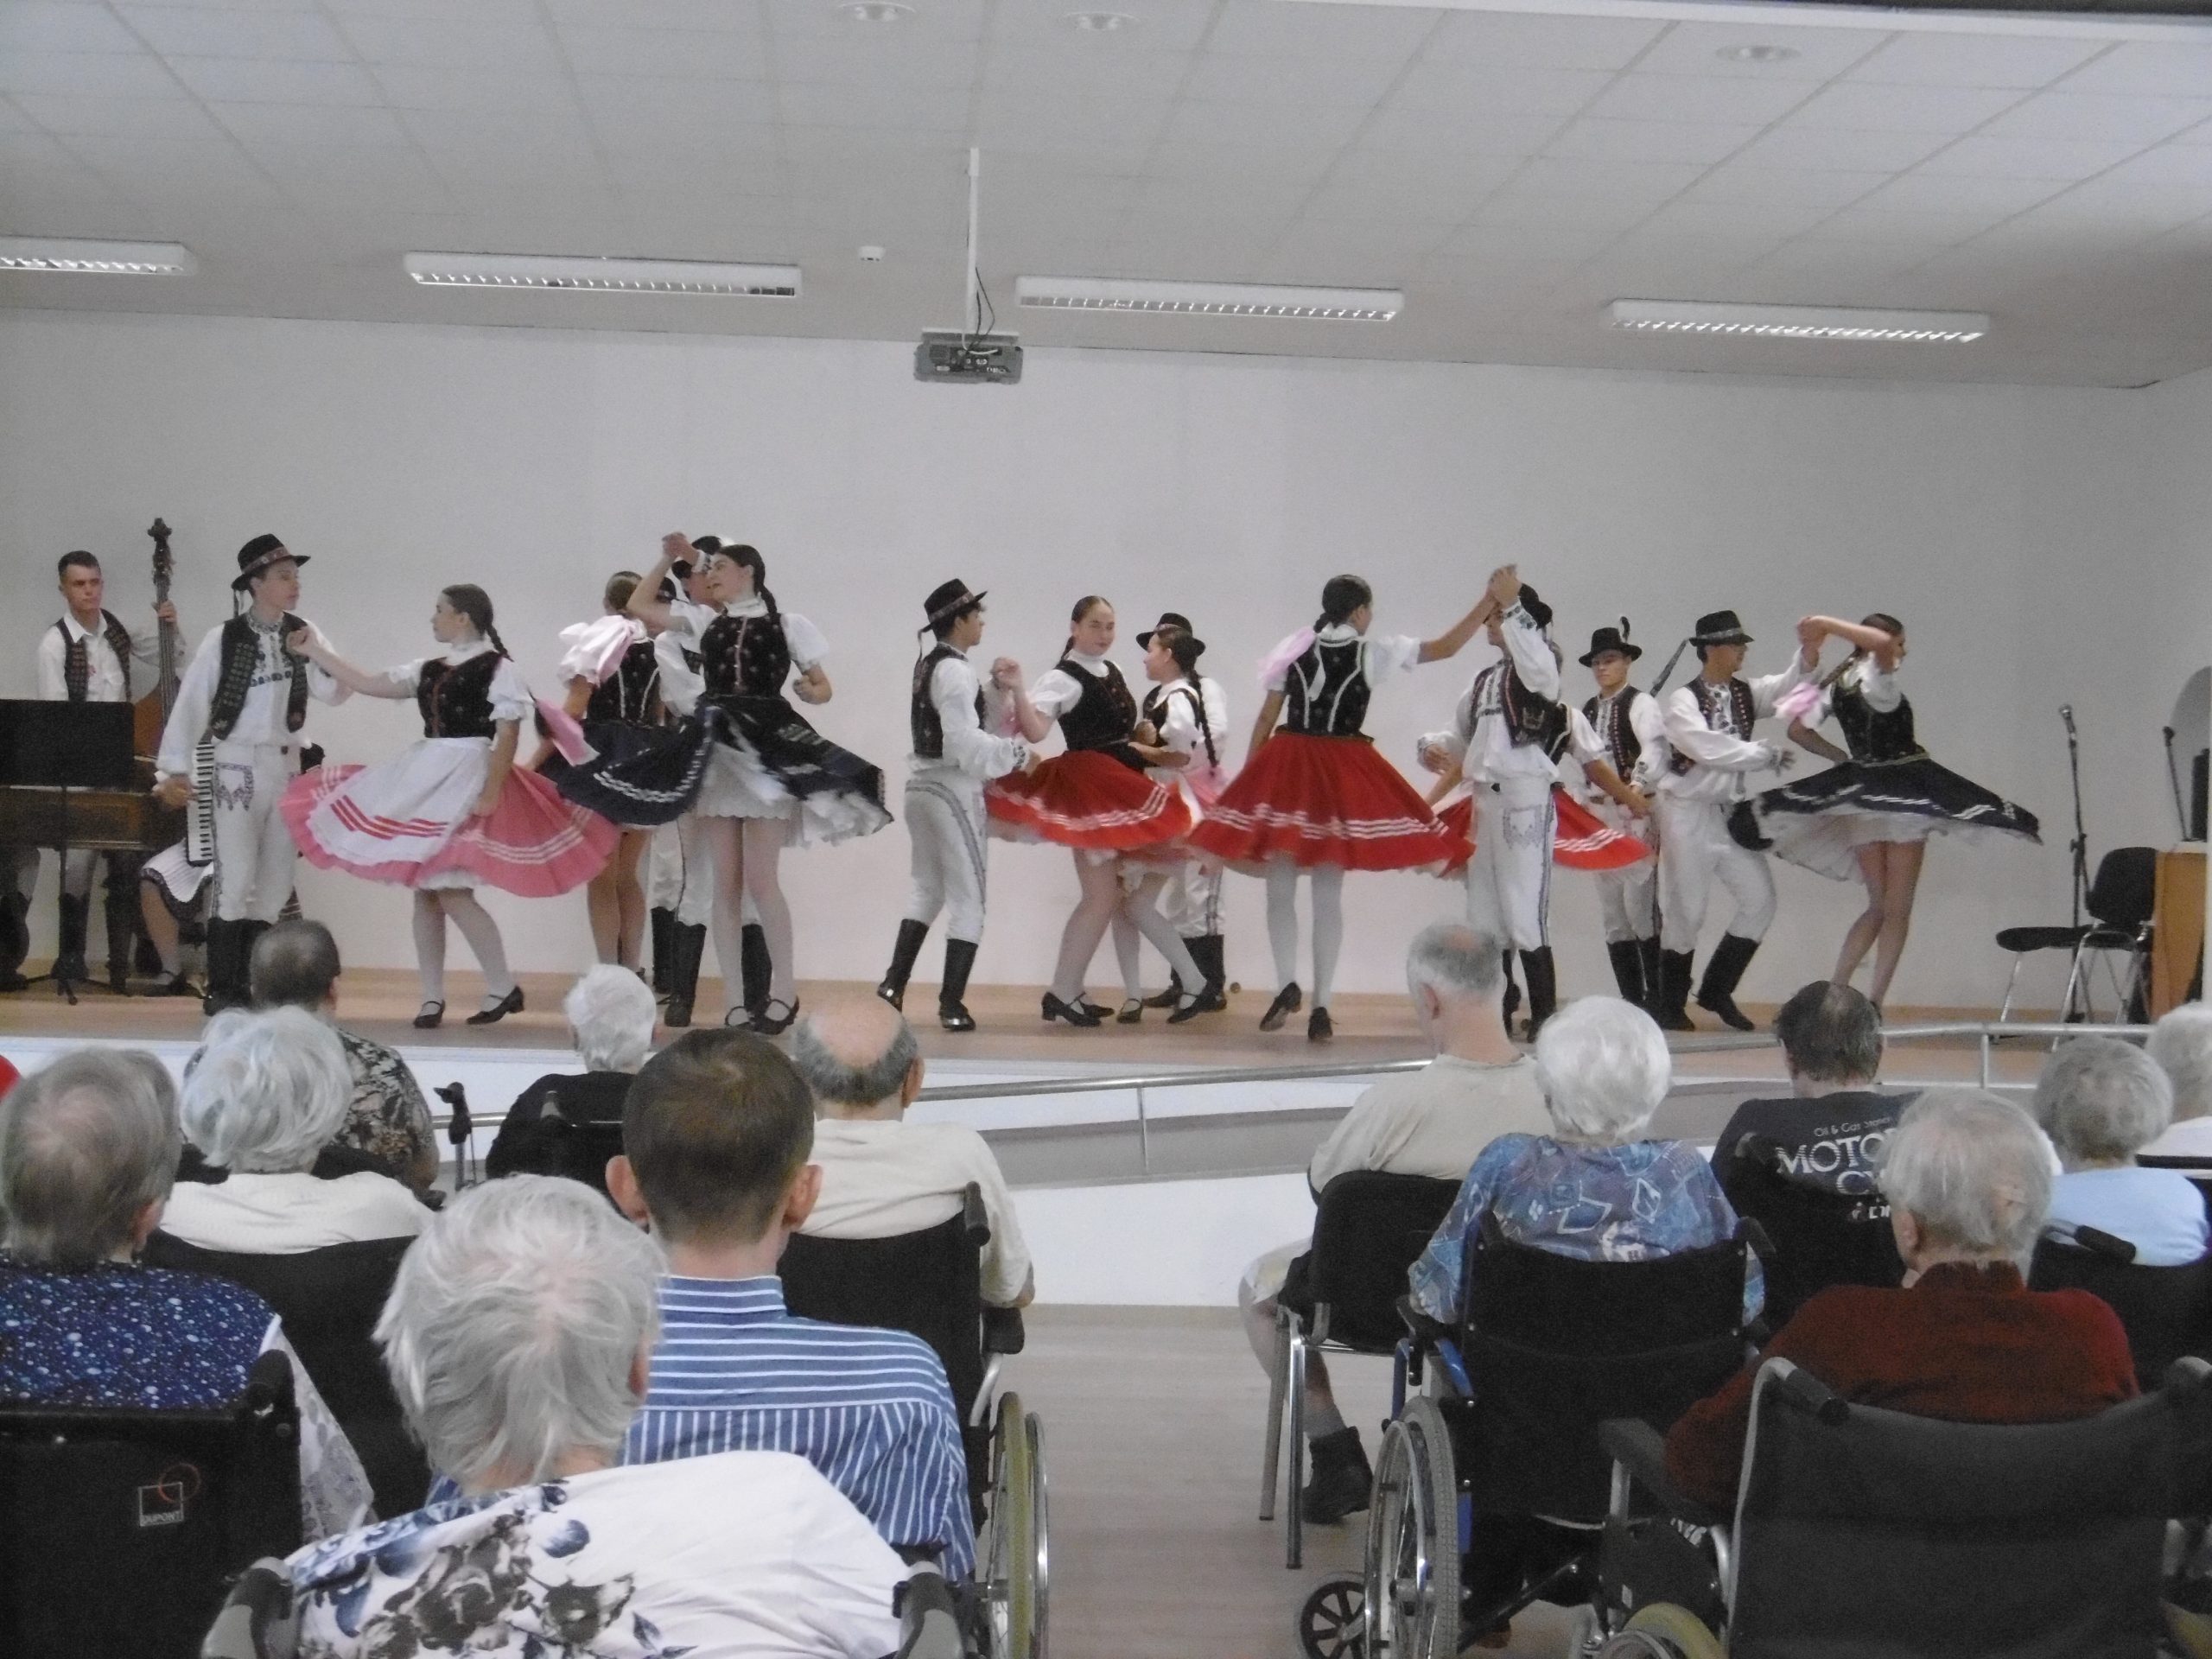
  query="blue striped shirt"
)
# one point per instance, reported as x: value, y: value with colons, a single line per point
x: 871, y: 1409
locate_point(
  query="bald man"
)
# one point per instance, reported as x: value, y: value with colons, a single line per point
x: 882, y: 1176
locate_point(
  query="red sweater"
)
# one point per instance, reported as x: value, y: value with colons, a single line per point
x: 1973, y: 1344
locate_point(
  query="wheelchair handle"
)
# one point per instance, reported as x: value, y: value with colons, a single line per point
x: 1815, y: 1396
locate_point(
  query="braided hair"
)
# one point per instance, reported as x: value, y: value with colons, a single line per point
x: 1340, y: 597
x: 1881, y: 620
x: 1180, y: 644
x: 747, y: 557
x: 475, y: 604
x: 1084, y: 608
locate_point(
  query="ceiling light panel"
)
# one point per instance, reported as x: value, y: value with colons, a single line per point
x: 592, y: 276
x: 1210, y: 299
x: 1846, y: 323
x: 96, y: 258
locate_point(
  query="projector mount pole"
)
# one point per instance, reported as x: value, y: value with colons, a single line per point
x: 971, y: 302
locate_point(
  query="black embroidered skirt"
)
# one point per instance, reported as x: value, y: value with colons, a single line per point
x: 1821, y: 822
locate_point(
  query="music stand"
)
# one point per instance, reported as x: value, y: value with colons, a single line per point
x: 65, y: 746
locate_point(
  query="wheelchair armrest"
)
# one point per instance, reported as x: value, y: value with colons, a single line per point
x: 1003, y: 1331
x: 975, y: 1221
x: 1427, y: 1332
x: 929, y: 1619
x: 1638, y: 1447
x: 256, y: 1620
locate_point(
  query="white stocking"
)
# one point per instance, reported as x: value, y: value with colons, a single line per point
x: 1328, y: 929
x: 482, y: 933
x: 430, y: 945
x: 1282, y: 918
x: 764, y: 849
x: 1087, y: 924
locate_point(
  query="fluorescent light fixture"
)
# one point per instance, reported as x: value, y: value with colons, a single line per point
x: 1757, y: 53
x: 1795, y: 321
x: 592, y: 276
x: 96, y: 258
x: 1210, y: 299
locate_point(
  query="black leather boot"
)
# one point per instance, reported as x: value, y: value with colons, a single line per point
x: 1717, y: 994
x: 14, y: 940
x: 1647, y: 952
x: 662, y: 922
x: 909, y: 946
x: 1174, y: 994
x: 753, y: 968
x: 1206, y: 950
x: 228, y: 944
x: 122, y: 917
x: 1543, y: 987
x: 1512, y: 993
x: 69, y: 952
x: 951, y: 996
x: 1342, y: 1482
x: 686, y: 945
x: 1628, y: 971
x: 1673, y: 1012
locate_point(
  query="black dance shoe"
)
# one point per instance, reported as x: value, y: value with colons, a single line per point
x: 1131, y: 1012
x: 768, y: 1024
x: 511, y: 1003
x: 1319, y: 1028
x: 1287, y: 1003
x: 430, y: 1015
x: 1076, y: 1013
x: 954, y: 1016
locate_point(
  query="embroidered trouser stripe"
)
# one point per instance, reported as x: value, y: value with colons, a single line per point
x: 1696, y: 850
x: 1509, y: 877
x: 946, y: 831
x: 254, y: 853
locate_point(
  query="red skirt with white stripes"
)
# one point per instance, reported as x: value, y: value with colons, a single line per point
x: 1584, y: 840
x: 411, y: 821
x: 1086, y: 800
x: 1322, y: 800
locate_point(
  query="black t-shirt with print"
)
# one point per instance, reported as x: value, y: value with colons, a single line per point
x: 1831, y: 1142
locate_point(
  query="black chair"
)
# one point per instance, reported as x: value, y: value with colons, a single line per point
x: 119, y: 1528
x: 2167, y: 1311
x: 1341, y: 1296
x: 1817, y: 1237
x: 553, y: 1144
x: 2120, y: 903
x: 329, y: 1300
x: 1872, y: 1533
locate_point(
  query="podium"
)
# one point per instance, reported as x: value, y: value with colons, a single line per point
x: 2177, y: 925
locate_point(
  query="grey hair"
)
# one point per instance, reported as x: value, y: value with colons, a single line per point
x: 2101, y: 1100
x: 2182, y: 1044
x: 1972, y: 1171
x: 512, y: 1326
x: 837, y: 1083
x: 1603, y: 1066
x: 85, y: 1145
x: 610, y: 1012
x: 267, y: 1091
x: 1455, y: 960
x: 1831, y: 1034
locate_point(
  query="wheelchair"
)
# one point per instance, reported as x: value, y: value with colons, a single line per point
x: 1809, y: 1237
x: 1491, y: 1489
x: 1871, y: 1532
x: 2166, y: 1312
x: 930, y: 1284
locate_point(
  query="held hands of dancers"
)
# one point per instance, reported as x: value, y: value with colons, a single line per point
x: 1505, y: 585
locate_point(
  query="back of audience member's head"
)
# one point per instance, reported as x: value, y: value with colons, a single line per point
x: 2181, y: 1043
x: 1602, y: 1067
x: 1830, y: 1033
x: 1453, y: 962
x: 716, y: 1133
x: 1972, y: 1173
x: 2101, y: 1100
x: 610, y: 1018
x: 517, y: 1330
x: 270, y: 1091
x: 86, y: 1146
x: 295, y: 964
x: 856, y: 1054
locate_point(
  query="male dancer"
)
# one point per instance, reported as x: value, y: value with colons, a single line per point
x: 1631, y: 734
x: 1708, y: 725
x: 85, y: 658
x: 1191, y: 899
x: 234, y: 733
x: 956, y: 752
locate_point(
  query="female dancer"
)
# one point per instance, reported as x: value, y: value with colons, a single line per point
x: 1872, y: 811
x: 1315, y: 797
x: 451, y: 812
x: 759, y: 776
x: 612, y: 676
x: 1186, y: 711
x: 1099, y: 800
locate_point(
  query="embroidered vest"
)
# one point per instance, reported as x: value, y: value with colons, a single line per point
x: 455, y: 698
x: 1531, y: 721
x: 1870, y: 734
x: 921, y: 717
x: 626, y: 695
x: 745, y: 656
x: 1609, y: 718
x: 241, y: 655
x: 1155, y: 710
x: 1104, y: 717
x: 1720, y: 705
x: 77, y: 656
x: 1326, y: 693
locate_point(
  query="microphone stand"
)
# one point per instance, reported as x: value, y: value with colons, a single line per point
x: 2080, y: 849
x: 2173, y: 777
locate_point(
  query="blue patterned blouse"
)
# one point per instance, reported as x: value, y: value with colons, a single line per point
x: 116, y: 1335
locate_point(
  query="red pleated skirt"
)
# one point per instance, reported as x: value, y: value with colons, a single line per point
x: 1323, y: 800
x: 1086, y: 800
x: 1584, y: 840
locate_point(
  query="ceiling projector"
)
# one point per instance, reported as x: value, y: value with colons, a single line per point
x: 955, y: 357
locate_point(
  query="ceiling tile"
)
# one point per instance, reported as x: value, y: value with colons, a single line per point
x: 30, y: 26
x: 1726, y: 98
x: 15, y: 117
x: 1649, y: 141
x: 1161, y: 26
x: 1919, y: 59
x: 2100, y: 118
x: 1844, y: 148
x: 1235, y: 78
x: 1765, y: 224
x: 1443, y: 133
x: 482, y: 13
x: 453, y: 44
x: 1031, y: 73
x: 1377, y: 257
x: 118, y: 118
x: 1307, y: 132
x: 925, y: 109
x: 2026, y: 158
x: 1552, y: 41
x: 1937, y: 194
x: 1695, y: 49
x: 1739, y: 182
x: 2156, y: 67
x: 1269, y: 28
x: 1465, y: 88
x: 931, y: 20
x: 243, y: 81
x: 1610, y: 180
x: 558, y: 126
x: 204, y: 32
x: 86, y: 75
x: 681, y: 54
x: 311, y: 123
x: 417, y: 86
x: 697, y: 16
x: 1518, y: 243
x: 1864, y: 106
x: 885, y: 57
x: 1243, y: 201
x: 1362, y: 185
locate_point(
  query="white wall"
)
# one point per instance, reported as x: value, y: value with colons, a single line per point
x: 2036, y: 540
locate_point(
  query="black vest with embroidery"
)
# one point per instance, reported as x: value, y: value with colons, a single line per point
x: 77, y: 656
x: 1105, y: 717
x: 1325, y: 692
x: 1870, y: 734
x: 1730, y: 699
x: 1610, y: 718
x: 1155, y: 710
x: 1531, y: 721
x: 455, y: 698
x: 745, y: 656
x: 627, y: 694
x: 241, y: 655
x: 921, y: 717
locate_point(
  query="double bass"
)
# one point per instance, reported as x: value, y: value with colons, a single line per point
x: 151, y: 713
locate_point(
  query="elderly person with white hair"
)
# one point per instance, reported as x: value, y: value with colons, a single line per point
x: 270, y: 1091
x: 519, y: 1337
x: 2102, y: 1101
x: 88, y: 1150
x: 611, y: 1014
x: 2181, y: 1043
x: 1968, y: 1180
x: 1595, y: 1186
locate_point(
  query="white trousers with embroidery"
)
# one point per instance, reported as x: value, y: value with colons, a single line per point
x: 1509, y: 877
x: 254, y: 853
x: 1628, y: 899
x: 945, y: 833
x: 1696, y: 850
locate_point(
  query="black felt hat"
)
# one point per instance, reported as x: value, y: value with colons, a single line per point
x: 1720, y: 629
x: 256, y: 556
x: 1607, y: 639
x: 1539, y: 613
x: 947, y: 600
x: 1173, y: 619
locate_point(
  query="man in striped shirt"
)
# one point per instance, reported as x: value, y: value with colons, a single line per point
x: 716, y: 1134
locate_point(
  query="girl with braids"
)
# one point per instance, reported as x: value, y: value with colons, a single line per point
x: 757, y: 775
x: 453, y: 811
x: 1314, y: 797
x: 1098, y: 799
x: 1871, y: 813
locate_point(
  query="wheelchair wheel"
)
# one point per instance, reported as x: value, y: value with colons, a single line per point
x: 1410, y: 1606
x: 1014, y: 1548
x: 2192, y: 1632
x: 1663, y: 1630
x: 1329, y: 1623
x: 1041, y: 1554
